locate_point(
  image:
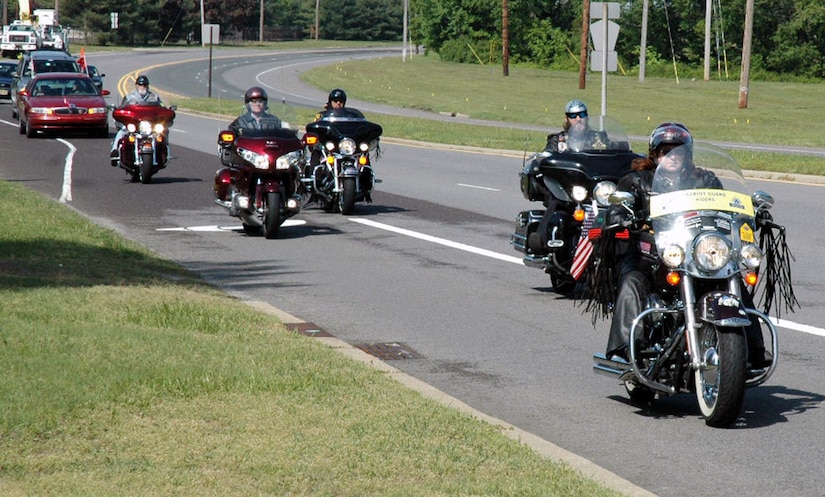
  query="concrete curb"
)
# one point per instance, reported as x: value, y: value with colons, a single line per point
x: 539, y: 445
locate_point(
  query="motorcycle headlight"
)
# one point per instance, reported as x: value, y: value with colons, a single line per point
x: 145, y: 127
x: 602, y: 191
x: 751, y: 256
x: 673, y: 256
x: 364, y: 146
x: 158, y: 128
x: 329, y: 146
x: 131, y: 128
x: 287, y: 160
x: 260, y: 161
x: 711, y: 252
x: 347, y: 146
x: 579, y: 193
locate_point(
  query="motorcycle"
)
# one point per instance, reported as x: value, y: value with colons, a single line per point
x: 339, y: 172
x: 260, y: 180
x: 700, y: 248
x: 144, y: 150
x: 574, y: 185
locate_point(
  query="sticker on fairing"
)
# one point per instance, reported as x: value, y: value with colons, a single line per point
x: 746, y: 233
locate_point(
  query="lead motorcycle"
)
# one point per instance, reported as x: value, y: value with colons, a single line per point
x: 573, y: 185
x: 144, y: 150
x: 339, y: 172
x: 259, y: 182
x: 701, y: 249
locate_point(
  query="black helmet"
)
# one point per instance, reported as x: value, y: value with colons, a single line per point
x: 337, y: 94
x: 255, y: 92
x: 142, y: 80
x: 670, y: 134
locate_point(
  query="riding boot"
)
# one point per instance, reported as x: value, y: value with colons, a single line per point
x: 633, y: 290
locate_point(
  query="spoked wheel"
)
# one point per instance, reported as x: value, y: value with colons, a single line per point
x: 348, y: 196
x: 720, y: 380
x: 272, y: 218
x: 146, y: 168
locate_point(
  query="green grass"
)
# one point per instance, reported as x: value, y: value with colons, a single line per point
x: 125, y: 375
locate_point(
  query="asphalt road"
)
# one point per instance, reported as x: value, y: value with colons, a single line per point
x: 428, y: 266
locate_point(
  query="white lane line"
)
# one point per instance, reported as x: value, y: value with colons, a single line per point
x: 478, y: 187
x: 782, y: 323
x: 66, y: 193
x: 440, y: 241
x: 207, y: 229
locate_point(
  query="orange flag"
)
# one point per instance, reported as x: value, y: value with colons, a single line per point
x: 81, y: 61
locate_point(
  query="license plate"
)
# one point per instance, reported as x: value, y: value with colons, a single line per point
x: 4, y: 92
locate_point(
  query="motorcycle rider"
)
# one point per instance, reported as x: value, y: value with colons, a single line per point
x: 256, y: 104
x: 141, y: 94
x: 576, y: 123
x: 336, y: 100
x: 670, y: 150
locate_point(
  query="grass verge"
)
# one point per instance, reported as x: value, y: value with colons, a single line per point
x: 125, y: 375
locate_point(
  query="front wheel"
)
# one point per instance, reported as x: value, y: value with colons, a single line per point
x: 348, y: 196
x: 720, y: 380
x: 146, y: 168
x: 272, y: 216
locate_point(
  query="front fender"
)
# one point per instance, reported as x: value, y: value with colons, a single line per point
x: 723, y: 309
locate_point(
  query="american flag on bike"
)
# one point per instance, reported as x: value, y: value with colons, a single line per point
x: 585, y: 247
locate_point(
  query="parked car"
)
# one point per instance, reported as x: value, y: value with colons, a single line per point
x: 36, y: 62
x: 96, y: 76
x: 6, y: 69
x: 62, y: 102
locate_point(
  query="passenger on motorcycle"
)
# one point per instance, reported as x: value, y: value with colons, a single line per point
x: 576, y: 123
x: 141, y: 94
x: 670, y: 149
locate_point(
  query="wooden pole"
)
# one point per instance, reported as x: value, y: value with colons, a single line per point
x: 505, y: 37
x: 744, y: 80
x: 585, y: 36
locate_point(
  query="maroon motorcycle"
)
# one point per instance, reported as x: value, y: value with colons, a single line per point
x: 259, y: 183
x: 144, y: 149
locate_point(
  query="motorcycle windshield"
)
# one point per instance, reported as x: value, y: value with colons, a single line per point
x: 597, y: 134
x: 336, y: 124
x: 700, y: 211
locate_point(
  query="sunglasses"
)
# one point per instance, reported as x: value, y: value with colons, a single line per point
x: 257, y: 100
x: 573, y: 115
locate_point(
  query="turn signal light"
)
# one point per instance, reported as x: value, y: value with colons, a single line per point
x: 751, y: 278
x: 131, y: 139
x: 578, y: 215
x: 226, y: 137
x: 673, y: 278
x: 363, y: 160
x: 310, y: 139
x: 330, y: 160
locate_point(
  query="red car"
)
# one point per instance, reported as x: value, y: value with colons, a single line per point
x: 62, y: 102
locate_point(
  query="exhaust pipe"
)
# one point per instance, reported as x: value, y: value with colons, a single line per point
x: 619, y: 370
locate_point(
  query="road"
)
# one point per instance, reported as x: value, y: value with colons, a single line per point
x: 428, y: 266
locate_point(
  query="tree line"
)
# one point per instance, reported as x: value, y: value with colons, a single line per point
x: 788, y: 35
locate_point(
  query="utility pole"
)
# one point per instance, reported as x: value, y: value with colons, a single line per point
x: 317, y: 17
x: 643, y: 42
x: 505, y: 37
x: 585, y: 37
x: 744, y: 80
x: 708, y: 9
x: 261, y: 24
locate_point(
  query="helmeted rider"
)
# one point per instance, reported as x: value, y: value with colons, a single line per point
x: 576, y: 123
x: 670, y: 151
x: 141, y: 94
x: 337, y: 99
x: 255, y: 116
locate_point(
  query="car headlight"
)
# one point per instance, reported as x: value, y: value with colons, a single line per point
x: 579, y: 193
x: 97, y: 110
x: 751, y: 256
x: 673, y: 256
x: 41, y: 110
x: 347, y: 146
x: 260, y: 161
x: 145, y: 127
x: 711, y: 252
x: 158, y: 129
x: 602, y: 191
x: 287, y: 160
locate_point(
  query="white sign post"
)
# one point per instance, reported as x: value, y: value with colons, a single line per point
x: 604, y: 34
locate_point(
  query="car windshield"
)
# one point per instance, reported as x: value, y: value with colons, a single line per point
x: 41, y: 66
x: 63, y: 87
x: 6, y: 69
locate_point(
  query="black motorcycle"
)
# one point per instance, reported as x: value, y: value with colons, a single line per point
x: 574, y: 186
x: 340, y: 172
